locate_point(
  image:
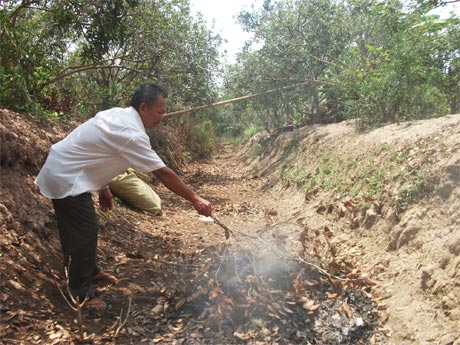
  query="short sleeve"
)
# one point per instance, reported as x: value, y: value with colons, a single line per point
x: 139, y: 153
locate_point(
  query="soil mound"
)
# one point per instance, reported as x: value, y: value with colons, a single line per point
x: 394, y: 194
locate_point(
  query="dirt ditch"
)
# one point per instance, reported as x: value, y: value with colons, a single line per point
x: 299, y: 267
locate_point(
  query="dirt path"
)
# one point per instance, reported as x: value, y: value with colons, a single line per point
x: 414, y: 306
x: 263, y: 284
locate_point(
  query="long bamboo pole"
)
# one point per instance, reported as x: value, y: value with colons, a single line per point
x: 218, y: 104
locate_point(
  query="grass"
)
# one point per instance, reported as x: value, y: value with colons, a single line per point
x: 381, y: 168
x: 256, y: 151
x: 413, y: 190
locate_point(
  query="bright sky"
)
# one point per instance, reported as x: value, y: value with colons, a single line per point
x: 445, y: 11
x: 224, y: 13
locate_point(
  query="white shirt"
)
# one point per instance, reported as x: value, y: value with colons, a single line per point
x: 95, y: 152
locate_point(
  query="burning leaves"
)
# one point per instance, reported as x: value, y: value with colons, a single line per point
x: 267, y: 298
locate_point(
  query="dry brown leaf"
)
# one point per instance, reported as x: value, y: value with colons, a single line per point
x: 274, y: 316
x: 21, y: 315
x: 342, y: 210
x: 311, y: 282
x: 227, y: 306
x: 321, y: 209
x: 327, y: 232
x: 347, y: 309
x: 9, y: 315
x: 314, y: 307
x: 207, y: 265
x: 287, y: 310
x: 277, y: 306
x: 369, y: 281
x: 304, y: 236
x: 333, y: 282
x: 16, y: 285
x: 55, y: 335
x: 215, y: 293
x: 308, y: 304
x: 242, y: 336
x: 272, y: 212
x: 227, y: 300
x: 349, y: 203
x: 332, y: 249
x: 158, y: 309
x: 180, y: 303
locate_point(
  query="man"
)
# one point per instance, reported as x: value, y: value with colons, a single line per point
x: 85, y: 161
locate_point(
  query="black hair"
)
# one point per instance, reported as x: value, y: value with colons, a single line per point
x: 147, y: 93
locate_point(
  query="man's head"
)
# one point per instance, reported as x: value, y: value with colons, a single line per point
x: 149, y: 100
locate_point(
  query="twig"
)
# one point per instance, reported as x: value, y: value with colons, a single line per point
x: 319, y: 269
x: 220, y: 264
x: 236, y: 269
x: 223, y: 226
x: 9, y: 293
x: 73, y: 303
x: 175, y: 263
x: 234, y: 232
x: 120, y: 320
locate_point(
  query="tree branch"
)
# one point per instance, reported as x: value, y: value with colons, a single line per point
x: 86, y: 68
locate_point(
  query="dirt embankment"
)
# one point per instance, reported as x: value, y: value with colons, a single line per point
x: 379, y: 209
x: 392, y: 200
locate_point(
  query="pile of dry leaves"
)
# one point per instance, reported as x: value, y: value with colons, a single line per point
x: 254, y: 290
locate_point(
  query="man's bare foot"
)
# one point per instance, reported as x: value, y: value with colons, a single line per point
x: 102, y: 276
x: 95, y: 304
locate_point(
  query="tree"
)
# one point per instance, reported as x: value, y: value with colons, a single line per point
x: 90, y: 54
x: 376, y: 62
x: 300, y: 41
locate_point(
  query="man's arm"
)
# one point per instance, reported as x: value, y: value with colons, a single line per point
x: 173, y: 182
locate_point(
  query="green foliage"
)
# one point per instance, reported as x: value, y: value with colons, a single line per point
x: 200, y: 137
x: 78, y: 57
x: 256, y: 151
x: 377, y: 62
x: 70, y: 59
x: 351, y: 178
x: 397, y: 78
x: 250, y: 131
x: 412, y: 190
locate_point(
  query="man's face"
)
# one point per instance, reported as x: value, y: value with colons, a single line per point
x: 153, y: 115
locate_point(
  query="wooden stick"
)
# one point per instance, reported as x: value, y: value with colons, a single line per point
x: 123, y: 322
x: 234, y: 232
x: 233, y: 100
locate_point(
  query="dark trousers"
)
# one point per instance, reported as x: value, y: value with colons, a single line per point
x: 78, y: 230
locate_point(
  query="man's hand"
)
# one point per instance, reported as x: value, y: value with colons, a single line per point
x: 105, y: 200
x: 170, y: 179
x: 203, y: 206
